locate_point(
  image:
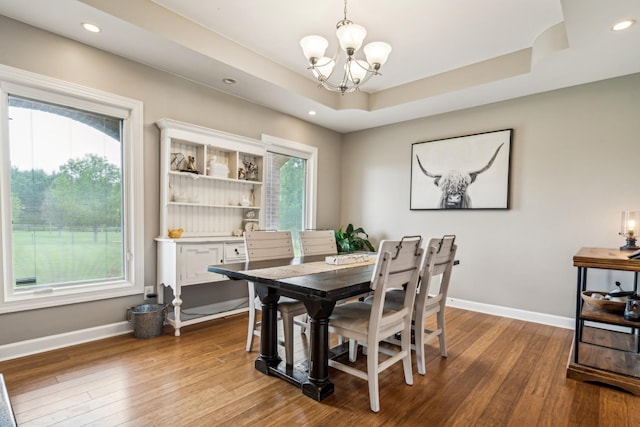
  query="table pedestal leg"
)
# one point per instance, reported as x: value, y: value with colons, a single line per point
x: 318, y: 385
x: 268, y: 331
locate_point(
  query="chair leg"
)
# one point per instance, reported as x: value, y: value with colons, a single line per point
x: 353, y: 350
x: 372, y: 374
x: 419, y: 343
x: 303, y: 326
x: 406, y: 360
x: 287, y: 325
x: 443, y: 344
x: 252, y: 316
x: 251, y: 328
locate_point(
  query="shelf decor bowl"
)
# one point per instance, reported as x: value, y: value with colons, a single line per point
x: 175, y: 233
x: 603, y: 304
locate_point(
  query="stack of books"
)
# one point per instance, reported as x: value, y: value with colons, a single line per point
x: 347, y: 259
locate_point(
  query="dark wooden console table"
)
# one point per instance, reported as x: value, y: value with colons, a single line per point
x: 607, y: 350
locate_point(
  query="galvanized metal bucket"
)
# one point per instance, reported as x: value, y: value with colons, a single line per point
x: 147, y: 319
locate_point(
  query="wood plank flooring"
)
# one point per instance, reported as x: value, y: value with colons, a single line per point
x: 500, y: 372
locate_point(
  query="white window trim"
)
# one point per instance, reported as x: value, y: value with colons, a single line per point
x: 310, y: 154
x: 23, y: 83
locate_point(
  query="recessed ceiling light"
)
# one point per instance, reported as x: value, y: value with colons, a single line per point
x: 91, y: 27
x: 228, y: 81
x: 312, y: 113
x: 623, y: 25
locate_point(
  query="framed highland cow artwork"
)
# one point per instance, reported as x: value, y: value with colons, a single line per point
x: 464, y: 172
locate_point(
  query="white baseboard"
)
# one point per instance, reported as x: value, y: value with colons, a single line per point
x: 39, y: 345
x: 513, y: 313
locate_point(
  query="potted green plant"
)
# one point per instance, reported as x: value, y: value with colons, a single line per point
x: 351, y: 240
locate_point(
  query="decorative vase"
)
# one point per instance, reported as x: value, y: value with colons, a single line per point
x: 252, y: 175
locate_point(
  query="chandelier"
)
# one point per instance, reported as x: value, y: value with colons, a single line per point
x: 356, y: 71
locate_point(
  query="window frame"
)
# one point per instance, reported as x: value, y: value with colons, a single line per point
x: 310, y: 154
x: 26, y: 84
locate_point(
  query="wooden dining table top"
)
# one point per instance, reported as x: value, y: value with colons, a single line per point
x: 306, y: 277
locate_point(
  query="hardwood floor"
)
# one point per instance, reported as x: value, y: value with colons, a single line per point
x: 500, y: 372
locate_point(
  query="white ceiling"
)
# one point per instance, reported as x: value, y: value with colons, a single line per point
x: 447, y: 54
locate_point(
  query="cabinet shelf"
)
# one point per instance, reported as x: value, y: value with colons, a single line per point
x: 215, y: 178
x: 204, y: 205
x: 594, y: 315
x: 209, y: 312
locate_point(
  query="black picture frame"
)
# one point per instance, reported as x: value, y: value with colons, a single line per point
x: 464, y: 172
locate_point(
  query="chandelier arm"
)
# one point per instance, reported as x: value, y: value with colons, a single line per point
x: 320, y: 75
x: 326, y: 63
x: 347, y: 73
x: 368, y: 69
x: 317, y: 67
x: 342, y: 89
x: 366, y: 78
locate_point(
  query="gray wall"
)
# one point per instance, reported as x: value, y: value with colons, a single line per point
x: 574, y: 168
x: 164, y: 95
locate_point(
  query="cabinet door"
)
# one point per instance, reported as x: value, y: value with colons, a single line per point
x: 193, y: 259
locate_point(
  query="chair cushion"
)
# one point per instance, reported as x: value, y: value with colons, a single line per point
x: 285, y: 304
x: 394, y: 299
x: 290, y: 305
x: 355, y: 316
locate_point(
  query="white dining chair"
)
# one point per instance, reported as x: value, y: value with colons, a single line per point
x: 398, y: 263
x: 318, y: 242
x: 439, y: 258
x: 266, y: 245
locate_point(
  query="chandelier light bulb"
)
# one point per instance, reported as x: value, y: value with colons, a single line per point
x: 377, y: 53
x: 314, y: 46
x: 357, y: 70
x: 324, y: 68
x: 350, y: 36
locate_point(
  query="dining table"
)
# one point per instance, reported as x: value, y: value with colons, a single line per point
x: 318, y: 285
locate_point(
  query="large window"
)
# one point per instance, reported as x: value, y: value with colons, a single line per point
x: 69, y: 213
x: 66, y: 195
x: 285, y: 202
x: 290, y: 186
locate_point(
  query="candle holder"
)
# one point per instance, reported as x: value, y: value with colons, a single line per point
x: 629, y: 229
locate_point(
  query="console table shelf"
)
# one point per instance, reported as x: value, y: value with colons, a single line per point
x: 607, y: 349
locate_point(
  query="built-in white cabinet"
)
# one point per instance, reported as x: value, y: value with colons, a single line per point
x: 183, y: 262
x: 193, y: 259
x: 211, y: 187
x: 210, y: 181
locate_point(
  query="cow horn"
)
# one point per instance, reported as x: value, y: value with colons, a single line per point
x: 475, y: 174
x: 437, y: 177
